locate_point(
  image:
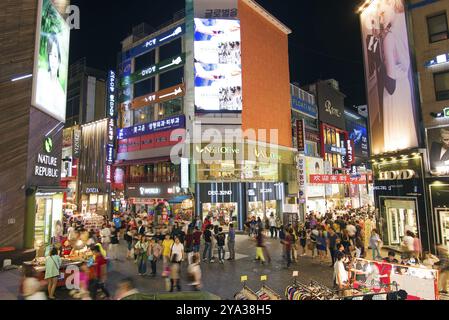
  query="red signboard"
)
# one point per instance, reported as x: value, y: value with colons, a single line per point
x: 338, y: 179
x: 300, y: 135
x: 150, y: 141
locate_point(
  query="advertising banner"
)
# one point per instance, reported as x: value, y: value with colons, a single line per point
x: 314, y: 166
x: 218, y: 66
x: 216, y: 9
x: 172, y: 123
x: 158, y: 97
x: 438, y: 143
x: 359, y: 135
x: 51, y: 62
x: 338, y: 179
x: 388, y: 68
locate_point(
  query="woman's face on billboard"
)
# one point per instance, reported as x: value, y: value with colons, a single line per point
x: 386, y: 13
x: 53, y: 60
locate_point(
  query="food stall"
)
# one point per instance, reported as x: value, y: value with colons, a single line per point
x: 375, y: 277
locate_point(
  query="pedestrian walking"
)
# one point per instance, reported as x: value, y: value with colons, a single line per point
x: 287, y: 244
x: 273, y: 226
x: 113, y: 247
x: 105, y: 234
x: 175, y: 271
x: 207, y: 253
x: 154, y: 253
x: 194, y: 272
x: 177, y: 249
x: 166, y: 250
x: 231, y: 242
x: 197, y: 239
x: 188, y: 245
x: 375, y: 244
x: 52, y: 266
x: 100, y: 275
x: 141, y: 250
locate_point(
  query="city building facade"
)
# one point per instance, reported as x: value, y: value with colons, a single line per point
x: 178, y: 85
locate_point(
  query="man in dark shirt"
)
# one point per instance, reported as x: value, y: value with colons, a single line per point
x: 231, y: 242
x: 197, y: 240
x: 207, y: 253
x: 141, y: 228
x: 221, y: 241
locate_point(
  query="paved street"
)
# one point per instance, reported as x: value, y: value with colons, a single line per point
x: 222, y: 280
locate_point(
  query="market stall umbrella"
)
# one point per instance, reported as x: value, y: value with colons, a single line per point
x: 179, y: 199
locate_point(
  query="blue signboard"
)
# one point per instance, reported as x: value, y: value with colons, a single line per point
x: 359, y: 135
x: 172, y: 123
x: 304, y: 107
x: 155, y: 42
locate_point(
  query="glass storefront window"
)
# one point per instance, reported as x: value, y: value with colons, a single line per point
x: 144, y: 115
x: 224, y: 213
x: 401, y: 216
x: 229, y: 171
x: 170, y: 108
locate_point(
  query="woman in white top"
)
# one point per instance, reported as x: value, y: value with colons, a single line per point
x: 178, y: 250
x: 408, y: 243
x: 341, y: 277
x: 105, y: 234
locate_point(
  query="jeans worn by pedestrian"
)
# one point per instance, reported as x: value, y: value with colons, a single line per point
x: 196, y: 248
x: 153, y: 266
x: 221, y: 253
x: 142, y: 264
x: 94, y: 286
x: 289, y: 257
x: 207, y: 253
x: 231, y: 247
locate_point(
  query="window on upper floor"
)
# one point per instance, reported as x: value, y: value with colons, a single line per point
x: 441, y: 85
x: 437, y: 27
x: 144, y: 61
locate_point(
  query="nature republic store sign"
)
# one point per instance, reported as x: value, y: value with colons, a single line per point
x: 47, y: 165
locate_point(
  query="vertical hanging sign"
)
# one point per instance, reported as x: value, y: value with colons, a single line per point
x: 111, y: 111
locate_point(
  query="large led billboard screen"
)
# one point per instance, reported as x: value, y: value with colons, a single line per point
x: 51, y: 62
x: 389, y: 77
x: 218, y: 67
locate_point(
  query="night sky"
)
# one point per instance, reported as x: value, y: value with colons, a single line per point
x: 325, y: 42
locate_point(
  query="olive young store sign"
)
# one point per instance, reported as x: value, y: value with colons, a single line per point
x: 247, y: 152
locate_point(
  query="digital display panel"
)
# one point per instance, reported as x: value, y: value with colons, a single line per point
x: 51, y: 62
x: 218, y: 67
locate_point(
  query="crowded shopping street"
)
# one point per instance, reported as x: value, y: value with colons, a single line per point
x: 247, y: 156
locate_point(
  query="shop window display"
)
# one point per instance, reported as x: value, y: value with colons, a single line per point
x: 223, y: 213
x: 401, y: 217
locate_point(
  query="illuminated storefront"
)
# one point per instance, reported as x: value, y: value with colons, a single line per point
x: 399, y: 190
x: 334, y: 147
x: 239, y: 181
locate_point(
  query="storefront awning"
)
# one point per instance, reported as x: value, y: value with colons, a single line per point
x: 179, y: 199
x: 141, y: 162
